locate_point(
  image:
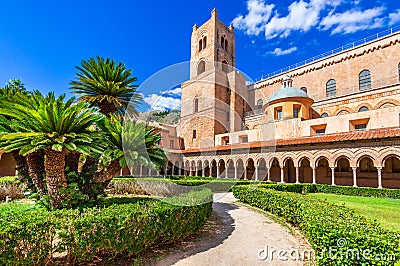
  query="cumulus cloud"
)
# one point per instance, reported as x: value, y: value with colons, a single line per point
x: 394, y: 17
x: 303, y: 15
x: 253, y: 22
x: 167, y: 100
x: 278, y: 51
x: 353, y: 20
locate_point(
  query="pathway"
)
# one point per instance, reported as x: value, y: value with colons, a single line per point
x: 238, y: 234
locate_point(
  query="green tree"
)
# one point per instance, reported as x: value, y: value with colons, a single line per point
x: 106, y: 84
x: 129, y: 143
x: 55, y: 126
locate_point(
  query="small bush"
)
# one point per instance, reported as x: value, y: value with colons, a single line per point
x: 323, y: 224
x: 10, y: 186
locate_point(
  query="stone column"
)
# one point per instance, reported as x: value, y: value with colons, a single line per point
x: 235, y: 166
x: 217, y: 171
x: 203, y: 171
x: 268, y: 175
x: 141, y: 171
x: 379, y: 177
x: 226, y: 171
x: 314, y: 175
x: 333, y: 175
x: 149, y: 172
x: 282, y: 175
x: 120, y: 172
x: 297, y: 175
x: 354, y: 176
x: 196, y: 169
x: 256, y: 172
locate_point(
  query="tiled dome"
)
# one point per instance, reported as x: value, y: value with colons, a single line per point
x: 287, y: 93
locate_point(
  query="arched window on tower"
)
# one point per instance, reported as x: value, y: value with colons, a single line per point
x: 331, y: 88
x: 364, y: 80
x: 226, y: 45
x: 363, y: 109
x: 259, y: 104
x: 225, y: 66
x: 200, y: 45
x: 204, y: 42
x: 201, y: 67
x: 222, y: 42
x: 324, y: 115
x: 399, y: 71
x: 196, y: 105
x: 304, y: 89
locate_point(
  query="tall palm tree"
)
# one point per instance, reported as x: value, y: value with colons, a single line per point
x: 56, y: 126
x: 130, y: 143
x: 106, y: 84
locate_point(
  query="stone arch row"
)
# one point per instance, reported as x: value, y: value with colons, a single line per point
x: 379, y: 105
x: 363, y: 167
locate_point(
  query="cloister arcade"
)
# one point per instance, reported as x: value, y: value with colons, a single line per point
x: 368, y: 167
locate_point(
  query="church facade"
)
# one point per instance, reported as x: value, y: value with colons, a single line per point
x: 333, y: 120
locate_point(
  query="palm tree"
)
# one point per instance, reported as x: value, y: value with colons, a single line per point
x: 56, y: 127
x: 130, y: 143
x: 106, y: 84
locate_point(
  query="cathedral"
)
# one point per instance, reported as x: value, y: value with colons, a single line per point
x: 331, y: 120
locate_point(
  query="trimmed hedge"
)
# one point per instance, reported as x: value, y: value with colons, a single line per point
x: 340, y: 190
x: 167, y: 187
x: 323, y: 224
x: 33, y: 237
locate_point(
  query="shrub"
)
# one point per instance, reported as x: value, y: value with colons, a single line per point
x: 10, y: 186
x: 31, y: 237
x: 323, y: 224
x: 341, y: 190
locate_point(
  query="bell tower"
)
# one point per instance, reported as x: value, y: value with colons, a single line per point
x: 213, y: 99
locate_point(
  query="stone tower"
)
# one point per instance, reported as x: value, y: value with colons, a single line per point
x: 214, y: 99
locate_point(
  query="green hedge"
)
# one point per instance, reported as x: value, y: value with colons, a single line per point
x: 31, y: 237
x: 166, y: 187
x: 323, y: 224
x: 341, y: 190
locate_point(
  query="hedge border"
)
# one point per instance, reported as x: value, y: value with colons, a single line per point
x: 323, y: 224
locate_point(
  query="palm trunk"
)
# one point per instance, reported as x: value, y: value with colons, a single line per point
x: 36, y: 170
x: 55, y: 178
x: 20, y: 165
x: 72, y: 163
x: 106, y: 108
x: 105, y: 176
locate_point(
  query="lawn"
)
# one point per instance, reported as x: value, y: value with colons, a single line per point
x: 385, y: 211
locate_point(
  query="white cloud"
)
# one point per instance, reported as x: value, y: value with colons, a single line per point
x: 304, y: 15
x: 279, y: 51
x: 167, y: 100
x: 259, y: 14
x: 394, y: 17
x: 354, y: 20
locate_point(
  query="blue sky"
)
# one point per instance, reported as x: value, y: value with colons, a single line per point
x: 41, y: 42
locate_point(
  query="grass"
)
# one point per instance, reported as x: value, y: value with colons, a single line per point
x: 385, y: 211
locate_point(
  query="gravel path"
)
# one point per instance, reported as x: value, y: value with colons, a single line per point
x: 238, y: 234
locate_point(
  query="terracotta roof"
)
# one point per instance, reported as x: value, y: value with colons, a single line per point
x: 337, y: 137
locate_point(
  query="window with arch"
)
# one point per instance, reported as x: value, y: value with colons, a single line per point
x: 304, y: 89
x: 399, y: 70
x: 225, y: 66
x: 259, y: 104
x: 226, y: 45
x: 363, y: 109
x: 204, y: 42
x: 331, y: 88
x: 196, y: 105
x: 324, y: 115
x: 364, y: 80
x: 222, y: 41
x: 200, y: 45
x: 201, y: 67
